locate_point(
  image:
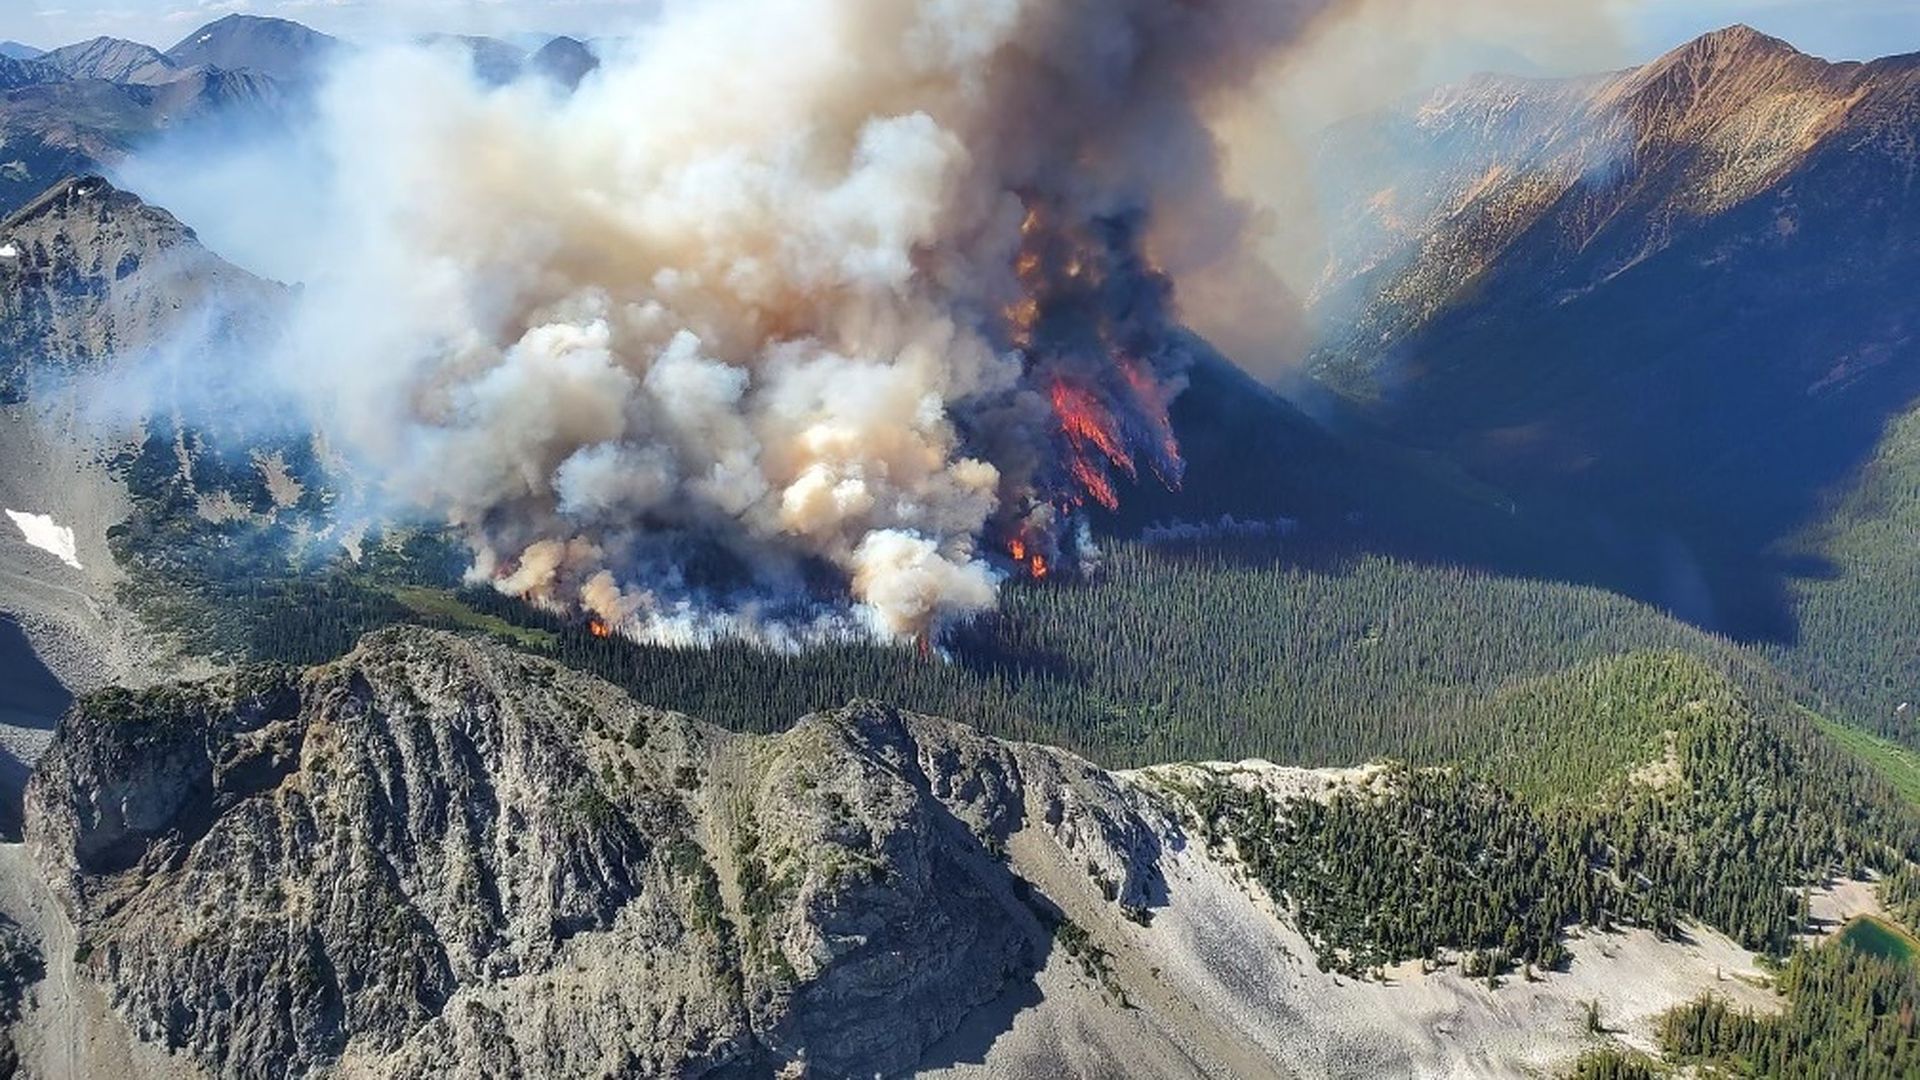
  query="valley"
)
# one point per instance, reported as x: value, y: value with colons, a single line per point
x: 1533, y: 695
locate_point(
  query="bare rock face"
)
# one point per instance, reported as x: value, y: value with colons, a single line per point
x: 438, y: 855
x: 113, y: 60
x: 282, y: 50
x: 90, y: 274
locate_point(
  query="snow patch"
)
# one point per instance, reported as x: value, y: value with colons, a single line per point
x: 8, y: 251
x: 44, y: 533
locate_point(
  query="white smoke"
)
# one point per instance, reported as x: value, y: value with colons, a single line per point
x: 745, y: 291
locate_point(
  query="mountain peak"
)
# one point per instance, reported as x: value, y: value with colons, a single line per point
x: 94, y: 198
x: 566, y: 61
x: 1737, y: 48
x: 112, y: 59
x: 1739, y: 38
x: 272, y: 47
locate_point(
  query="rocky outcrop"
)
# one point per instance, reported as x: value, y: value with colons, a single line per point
x: 112, y: 59
x: 91, y: 275
x: 436, y: 852
x: 437, y: 856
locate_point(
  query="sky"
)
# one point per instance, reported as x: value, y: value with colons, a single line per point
x: 1837, y: 29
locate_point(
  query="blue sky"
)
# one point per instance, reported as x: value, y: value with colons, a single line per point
x: 1839, y: 29
x: 1836, y: 29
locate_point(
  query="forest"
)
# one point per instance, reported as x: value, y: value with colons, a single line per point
x: 1563, y: 757
x: 1729, y: 830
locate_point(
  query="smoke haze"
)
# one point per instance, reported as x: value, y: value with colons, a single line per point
x: 799, y: 319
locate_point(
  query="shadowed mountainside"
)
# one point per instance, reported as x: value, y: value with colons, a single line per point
x: 1674, y: 304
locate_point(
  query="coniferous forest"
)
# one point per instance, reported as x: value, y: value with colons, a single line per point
x: 1562, y: 758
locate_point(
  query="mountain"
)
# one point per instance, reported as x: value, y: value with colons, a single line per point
x: 494, y: 61
x: 15, y: 73
x: 285, y: 51
x: 114, y: 60
x: 93, y: 273
x: 563, y: 60
x: 1673, y: 302
x: 13, y: 50
x: 437, y: 854
x: 53, y: 125
x: 566, y: 61
x: 99, y: 294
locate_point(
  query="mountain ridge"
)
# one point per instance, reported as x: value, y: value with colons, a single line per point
x: 576, y: 883
x: 96, y: 274
x: 278, y: 48
x: 114, y: 60
x: 1694, y: 251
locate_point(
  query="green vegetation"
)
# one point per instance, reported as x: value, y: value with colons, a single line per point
x: 442, y: 607
x: 1569, y: 756
x: 1900, y: 765
x: 1849, y: 1013
x: 1900, y: 892
x: 249, y: 693
x: 1433, y: 861
x: 1611, y: 1064
x: 215, y: 561
x: 1153, y: 661
x: 1879, y: 938
x: 1859, y: 630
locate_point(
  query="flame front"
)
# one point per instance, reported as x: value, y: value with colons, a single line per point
x: 1088, y: 316
x: 1028, y: 556
x: 1093, y: 443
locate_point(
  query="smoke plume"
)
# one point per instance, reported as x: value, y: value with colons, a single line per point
x: 799, y: 318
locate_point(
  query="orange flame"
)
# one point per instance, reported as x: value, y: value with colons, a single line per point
x: 1100, y: 418
x: 1088, y: 424
x: 1155, y: 405
x: 1091, y: 437
x: 1028, y: 557
x: 600, y: 629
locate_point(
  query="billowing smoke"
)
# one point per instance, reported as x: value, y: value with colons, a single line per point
x: 800, y: 318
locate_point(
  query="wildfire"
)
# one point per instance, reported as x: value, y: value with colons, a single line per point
x: 1093, y: 442
x: 600, y: 629
x: 1155, y: 403
x: 1029, y: 557
x: 1090, y: 321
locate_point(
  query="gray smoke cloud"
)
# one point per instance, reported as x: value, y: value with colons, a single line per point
x: 796, y: 320
x: 799, y: 319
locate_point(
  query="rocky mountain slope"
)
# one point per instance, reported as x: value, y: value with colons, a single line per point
x: 54, y: 124
x: 95, y: 289
x: 114, y: 60
x: 285, y: 51
x: 437, y: 855
x: 90, y: 274
x: 1675, y: 301
x: 83, y: 107
x: 565, y: 60
x: 16, y: 72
